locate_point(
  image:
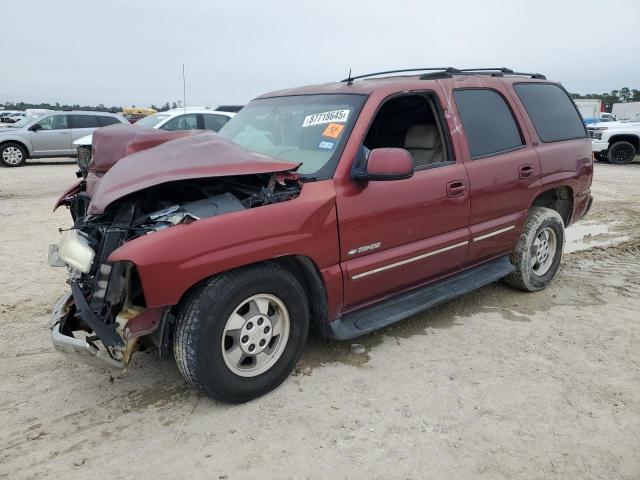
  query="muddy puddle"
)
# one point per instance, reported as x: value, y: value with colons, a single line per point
x: 589, y: 234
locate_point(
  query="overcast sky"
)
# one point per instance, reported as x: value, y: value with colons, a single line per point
x: 124, y: 52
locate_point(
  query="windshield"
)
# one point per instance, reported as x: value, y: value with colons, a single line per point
x: 152, y: 120
x: 26, y: 120
x: 307, y: 129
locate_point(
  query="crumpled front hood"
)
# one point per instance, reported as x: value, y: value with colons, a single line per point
x: 111, y: 144
x: 199, y: 155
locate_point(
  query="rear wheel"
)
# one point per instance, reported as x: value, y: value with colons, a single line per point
x: 621, y: 153
x: 241, y: 333
x: 538, y: 252
x: 12, y: 154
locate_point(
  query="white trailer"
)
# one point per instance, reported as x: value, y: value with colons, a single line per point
x: 624, y: 111
x: 589, y: 108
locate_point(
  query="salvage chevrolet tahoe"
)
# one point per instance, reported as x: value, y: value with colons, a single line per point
x: 347, y: 207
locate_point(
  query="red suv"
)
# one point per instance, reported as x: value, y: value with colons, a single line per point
x: 347, y: 206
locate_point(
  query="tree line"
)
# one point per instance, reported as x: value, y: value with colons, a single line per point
x: 615, y: 96
x: 93, y: 108
x: 623, y: 95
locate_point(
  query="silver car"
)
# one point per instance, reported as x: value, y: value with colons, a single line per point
x: 49, y: 134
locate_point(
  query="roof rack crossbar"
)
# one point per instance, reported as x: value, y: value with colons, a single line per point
x: 404, y: 70
x: 498, y: 69
x: 447, y: 72
x: 503, y: 70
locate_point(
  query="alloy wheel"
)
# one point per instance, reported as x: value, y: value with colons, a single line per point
x: 543, y: 251
x: 623, y: 153
x: 12, y: 155
x: 255, y: 335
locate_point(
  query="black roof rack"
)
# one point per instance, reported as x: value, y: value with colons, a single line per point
x: 448, y: 72
x: 405, y: 70
x: 494, y: 72
x: 501, y: 71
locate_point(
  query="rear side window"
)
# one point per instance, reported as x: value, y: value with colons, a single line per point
x: 214, y: 122
x: 488, y: 122
x: 103, y: 121
x: 83, y: 121
x: 551, y: 110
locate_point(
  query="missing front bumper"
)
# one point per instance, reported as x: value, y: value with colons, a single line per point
x: 80, y: 349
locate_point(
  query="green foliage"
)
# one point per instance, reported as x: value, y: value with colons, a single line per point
x: 57, y: 106
x: 615, y: 96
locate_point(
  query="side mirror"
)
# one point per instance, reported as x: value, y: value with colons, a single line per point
x: 35, y: 127
x: 386, y: 164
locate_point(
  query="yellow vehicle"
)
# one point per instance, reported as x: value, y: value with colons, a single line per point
x: 138, y: 111
x: 134, y: 114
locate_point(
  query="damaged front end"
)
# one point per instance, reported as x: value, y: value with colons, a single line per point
x: 104, y: 318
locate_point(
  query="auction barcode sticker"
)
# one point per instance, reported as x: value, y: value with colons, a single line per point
x: 325, y: 117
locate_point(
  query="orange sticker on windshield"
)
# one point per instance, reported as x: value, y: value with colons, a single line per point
x: 333, y: 130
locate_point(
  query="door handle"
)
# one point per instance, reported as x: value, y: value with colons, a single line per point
x: 456, y: 188
x: 526, y: 171
x: 65, y: 133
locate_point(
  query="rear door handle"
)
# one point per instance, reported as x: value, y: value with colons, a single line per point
x: 526, y: 171
x: 456, y: 188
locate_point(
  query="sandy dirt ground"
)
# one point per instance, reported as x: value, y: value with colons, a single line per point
x: 497, y: 384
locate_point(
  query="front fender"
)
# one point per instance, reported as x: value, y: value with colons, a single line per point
x: 68, y: 193
x: 17, y: 139
x: 170, y: 261
x: 614, y: 134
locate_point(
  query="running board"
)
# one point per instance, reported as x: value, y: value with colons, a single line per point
x: 402, y: 306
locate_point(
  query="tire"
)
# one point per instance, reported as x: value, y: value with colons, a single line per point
x: 12, y: 154
x: 529, y: 276
x: 204, y: 347
x: 621, y: 153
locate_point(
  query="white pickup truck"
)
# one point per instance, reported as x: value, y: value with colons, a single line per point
x: 617, y: 142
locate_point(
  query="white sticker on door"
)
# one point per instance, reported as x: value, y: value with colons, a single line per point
x: 325, y: 117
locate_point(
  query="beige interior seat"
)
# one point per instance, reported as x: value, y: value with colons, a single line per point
x: 424, y: 144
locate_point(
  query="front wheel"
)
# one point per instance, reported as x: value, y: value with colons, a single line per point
x: 621, y: 153
x: 241, y: 333
x: 538, y: 252
x: 12, y: 154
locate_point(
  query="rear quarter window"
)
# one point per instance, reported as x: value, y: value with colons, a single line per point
x: 552, y: 112
x: 488, y: 122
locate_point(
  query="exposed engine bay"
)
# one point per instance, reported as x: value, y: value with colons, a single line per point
x: 106, y: 297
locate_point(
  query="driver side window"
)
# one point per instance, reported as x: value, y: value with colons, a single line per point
x: 182, y: 122
x: 54, y: 122
x: 411, y: 122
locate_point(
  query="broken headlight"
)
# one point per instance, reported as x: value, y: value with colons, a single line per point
x: 73, y: 250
